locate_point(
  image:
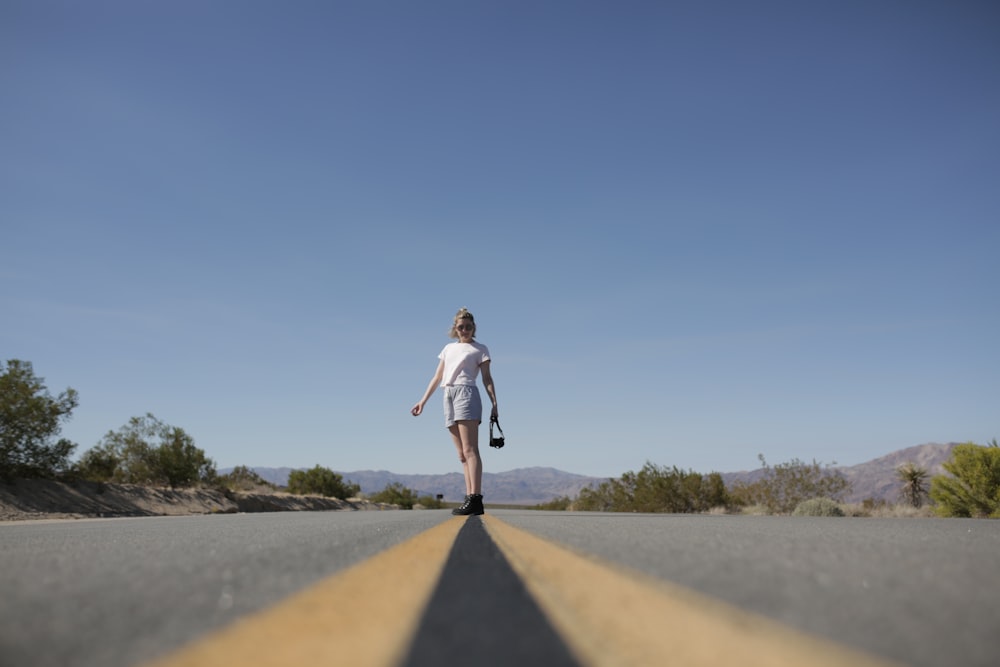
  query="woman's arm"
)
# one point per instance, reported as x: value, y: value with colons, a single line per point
x: 490, y: 389
x: 435, y: 381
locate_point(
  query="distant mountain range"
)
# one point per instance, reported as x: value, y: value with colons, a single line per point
x: 531, y: 486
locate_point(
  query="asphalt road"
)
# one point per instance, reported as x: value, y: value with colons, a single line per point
x: 924, y: 592
x: 122, y: 592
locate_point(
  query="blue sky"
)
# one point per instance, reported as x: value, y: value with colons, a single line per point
x: 690, y: 232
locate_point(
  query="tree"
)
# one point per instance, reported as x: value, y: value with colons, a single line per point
x: 321, y: 481
x: 147, y: 451
x: 973, y: 487
x: 179, y: 462
x: 786, y: 485
x: 29, y: 423
x: 127, y: 453
x: 914, y: 483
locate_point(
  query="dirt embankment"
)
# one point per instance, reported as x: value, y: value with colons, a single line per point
x: 24, y: 499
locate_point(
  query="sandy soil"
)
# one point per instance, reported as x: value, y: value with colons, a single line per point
x: 27, y: 499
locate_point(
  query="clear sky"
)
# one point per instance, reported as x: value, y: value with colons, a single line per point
x: 690, y: 232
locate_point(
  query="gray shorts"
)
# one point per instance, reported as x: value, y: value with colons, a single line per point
x: 462, y: 402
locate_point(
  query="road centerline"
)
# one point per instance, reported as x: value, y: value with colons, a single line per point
x: 610, y: 615
x: 481, y: 613
x: 365, y: 615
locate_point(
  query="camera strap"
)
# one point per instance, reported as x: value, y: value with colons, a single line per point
x: 497, y: 422
x: 496, y: 442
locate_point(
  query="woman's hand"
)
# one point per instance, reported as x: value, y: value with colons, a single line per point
x: 435, y: 381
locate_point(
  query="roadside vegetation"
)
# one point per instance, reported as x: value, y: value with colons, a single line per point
x: 973, y: 487
x: 782, y: 489
x: 656, y: 489
x: 913, y: 484
x: 146, y: 451
x: 396, y: 494
x: 245, y: 480
x: 31, y: 420
x: 320, y: 481
x: 970, y: 488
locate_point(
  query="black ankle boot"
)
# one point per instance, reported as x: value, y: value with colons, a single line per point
x: 473, y: 505
x: 461, y: 509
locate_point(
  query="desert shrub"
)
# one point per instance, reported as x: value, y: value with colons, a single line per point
x: 242, y: 478
x: 972, y: 489
x: 397, y: 494
x: 874, y: 504
x: 856, y: 510
x: 884, y: 510
x: 655, y: 489
x: 818, y: 507
x: 786, y: 485
x: 430, y: 502
x: 560, y: 504
x: 321, y: 481
x: 98, y: 464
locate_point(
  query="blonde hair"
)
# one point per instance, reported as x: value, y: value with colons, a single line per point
x: 462, y: 314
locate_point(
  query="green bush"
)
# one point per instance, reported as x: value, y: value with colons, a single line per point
x: 656, y: 489
x: 786, y: 485
x: 98, y: 464
x: 430, y: 502
x: 242, y: 478
x: 818, y: 507
x: 973, y: 487
x: 396, y: 494
x: 321, y: 481
x: 560, y: 504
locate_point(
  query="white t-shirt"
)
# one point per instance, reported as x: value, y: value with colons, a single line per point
x: 462, y: 361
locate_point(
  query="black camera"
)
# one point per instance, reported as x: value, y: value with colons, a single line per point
x: 496, y: 441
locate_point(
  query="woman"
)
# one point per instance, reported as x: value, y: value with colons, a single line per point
x: 461, y: 362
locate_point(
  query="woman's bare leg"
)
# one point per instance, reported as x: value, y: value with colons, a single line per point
x: 465, y: 433
x: 457, y: 437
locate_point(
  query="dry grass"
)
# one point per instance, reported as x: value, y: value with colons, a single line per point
x: 887, y: 511
x: 862, y: 510
x: 754, y: 510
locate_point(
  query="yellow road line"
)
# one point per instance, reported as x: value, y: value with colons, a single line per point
x: 365, y: 616
x: 610, y: 616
